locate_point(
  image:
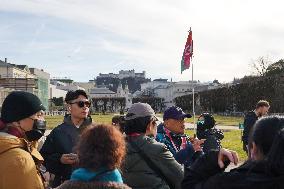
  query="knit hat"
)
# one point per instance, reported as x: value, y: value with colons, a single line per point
x: 19, y: 105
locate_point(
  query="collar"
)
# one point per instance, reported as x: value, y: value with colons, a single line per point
x: 87, y: 121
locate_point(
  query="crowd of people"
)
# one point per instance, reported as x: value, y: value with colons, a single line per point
x: 134, y: 151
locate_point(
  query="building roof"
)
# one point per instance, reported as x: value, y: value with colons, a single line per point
x: 101, y: 91
x: 162, y: 87
x: 4, y: 64
x: 23, y: 67
x: 161, y: 80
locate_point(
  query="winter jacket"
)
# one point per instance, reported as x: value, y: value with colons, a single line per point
x: 184, y: 155
x: 61, y: 140
x: 206, y: 174
x: 139, y: 175
x: 83, y: 178
x: 249, y: 121
x: 20, y: 163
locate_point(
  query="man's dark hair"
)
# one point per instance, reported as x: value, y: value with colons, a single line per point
x: 262, y: 103
x: 72, y: 95
x: 137, y: 125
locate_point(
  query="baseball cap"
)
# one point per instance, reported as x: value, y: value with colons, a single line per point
x: 139, y: 110
x: 175, y: 112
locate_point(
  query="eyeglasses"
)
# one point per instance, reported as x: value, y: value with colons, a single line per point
x: 82, y: 104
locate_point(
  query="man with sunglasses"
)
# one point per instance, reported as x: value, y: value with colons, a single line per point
x: 172, y: 134
x: 58, y: 150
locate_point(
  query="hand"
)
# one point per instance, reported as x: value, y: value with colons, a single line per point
x: 196, y: 144
x: 69, y: 158
x: 227, y: 155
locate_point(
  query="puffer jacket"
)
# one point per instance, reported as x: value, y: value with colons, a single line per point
x: 138, y: 174
x: 20, y: 163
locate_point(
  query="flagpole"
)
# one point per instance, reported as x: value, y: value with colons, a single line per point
x: 185, y: 64
x: 193, y: 107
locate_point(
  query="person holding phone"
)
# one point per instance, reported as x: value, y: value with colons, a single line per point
x: 58, y: 148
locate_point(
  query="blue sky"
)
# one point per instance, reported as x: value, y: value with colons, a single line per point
x: 80, y: 39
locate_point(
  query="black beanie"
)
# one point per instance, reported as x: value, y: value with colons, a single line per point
x: 19, y: 105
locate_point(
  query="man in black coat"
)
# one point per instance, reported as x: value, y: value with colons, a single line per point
x: 58, y: 149
x: 251, y: 117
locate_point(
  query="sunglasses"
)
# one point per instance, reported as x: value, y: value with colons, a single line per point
x: 82, y: 104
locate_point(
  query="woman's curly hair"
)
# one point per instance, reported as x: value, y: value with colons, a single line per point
x: 101, y: 146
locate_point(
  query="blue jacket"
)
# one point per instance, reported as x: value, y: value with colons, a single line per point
x: 83, y: 174
x: 183, y: 156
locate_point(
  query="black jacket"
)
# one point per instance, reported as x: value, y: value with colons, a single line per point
x: 61, y: 140
x: 206, y: 174
x: 249, y: 121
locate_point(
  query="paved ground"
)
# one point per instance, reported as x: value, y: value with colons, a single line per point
x: 221, y: 127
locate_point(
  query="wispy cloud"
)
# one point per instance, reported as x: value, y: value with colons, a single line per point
x: 150, y: 35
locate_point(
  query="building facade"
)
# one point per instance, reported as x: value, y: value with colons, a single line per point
x: 123, y: 74
x: 21, y: 77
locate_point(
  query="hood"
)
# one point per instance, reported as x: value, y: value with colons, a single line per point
x: 8, y: 142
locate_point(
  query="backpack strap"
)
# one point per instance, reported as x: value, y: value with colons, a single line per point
x: 151, y: 164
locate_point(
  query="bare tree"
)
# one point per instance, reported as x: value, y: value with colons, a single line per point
x: 260, y: 66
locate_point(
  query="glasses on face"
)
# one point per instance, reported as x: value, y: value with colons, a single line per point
x: 82, y: 104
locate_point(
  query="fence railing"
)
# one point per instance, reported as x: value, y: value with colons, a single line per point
x: 55, y: 113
